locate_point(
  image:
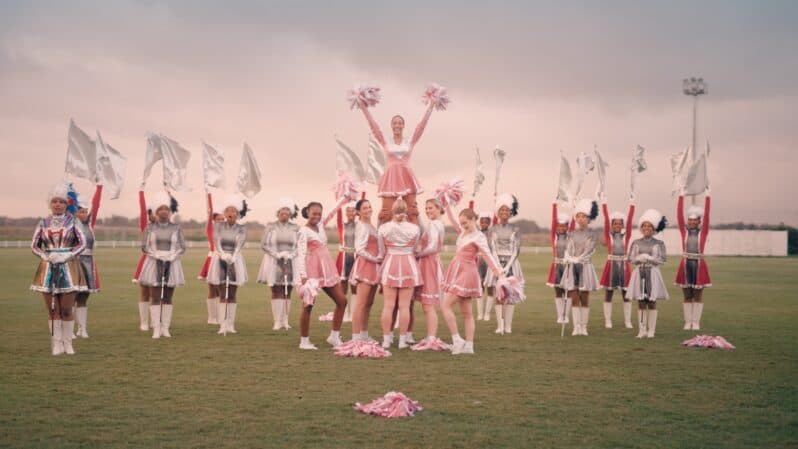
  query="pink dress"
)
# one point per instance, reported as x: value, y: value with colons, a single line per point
x: 399, y: 269
x: 398, y: 179
x: 429, y: 264
x: 368, y: 251
x: 462, y: 276
x: 313, y: 258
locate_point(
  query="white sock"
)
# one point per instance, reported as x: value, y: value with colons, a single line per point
x: 304, y: 340
x: 335, y: 334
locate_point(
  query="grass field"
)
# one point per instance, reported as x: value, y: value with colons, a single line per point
x: 528, y: 389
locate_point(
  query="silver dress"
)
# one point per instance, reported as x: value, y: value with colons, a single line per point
x: 279, y: 245
x: 504, y: 241
x: 228, y: 240
x: 163, y: 244
x: 579, y: 272
x: 646, y: 283
x: 86, y: 258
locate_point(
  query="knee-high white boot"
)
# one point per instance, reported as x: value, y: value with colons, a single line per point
x: 568, y: 306
x: 480, y: 308
x: 576, y: 320
x: 231, y: 318
x: 223, y: 313
x: 507, y: 316
x: 499, y: 319
x: 277, y: 313
x: 56, y: 345
x: 641, y: 323
x: 687, y: 307
x: 651, y: 325
x: 698, y: 309
x: 67, y: 328
x: 166, y: 320
x: 607, y: 314
x: 559, y: 303
x: 212, y: 310
x: 81, y: 316
x: 583, y: 319
x: 627, y: 314
x: 489, y: 302
x: 286, y: 311
x: 155, y: 321
x: 144, y: 311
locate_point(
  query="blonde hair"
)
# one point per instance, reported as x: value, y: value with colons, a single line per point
x: 436, y: 203
x: 469, y: 213
x: 399, y: 209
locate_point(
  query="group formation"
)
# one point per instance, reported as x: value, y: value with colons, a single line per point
x: 400, y: 256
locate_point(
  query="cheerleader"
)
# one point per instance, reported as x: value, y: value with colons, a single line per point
x: 57, y: 241
x: 579, y: 278
x: 646, y: 285
x: 347, y: 250
x: 279, y: 245
x: 430, y: 267
x: 369, y: 253
x: 146, y: 216
x: 504, y: 241
x: 484, y: 304
x: 85, y: 220
x: 693, y: 273
x: 399, y: 273
x: 461, y: 281
x: 227, y: 270
x: 561, y: 226
x: 314, y: 262
x: 398, y: 178
x: 213, y: 298
x: 617, y: 234
x: 162, y: 271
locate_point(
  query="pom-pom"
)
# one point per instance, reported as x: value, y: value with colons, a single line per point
x: 708, y: 341
x: 594, y: 211
x: 363, y: 349
x: 308, y: 291
x: 436, y: 95
x: 663, y: 222
x: 363, y: 96
x: 450, y: 193
x: 172, y: 204
x: 393, y: 405
x: 509, y: 290
x: 431, y: 344
x: 72, y: 200
x: 244, y: 209
x: 346, y: 187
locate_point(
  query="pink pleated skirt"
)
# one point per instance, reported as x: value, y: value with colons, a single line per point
x: 432, y: 277
x: 320, y: 266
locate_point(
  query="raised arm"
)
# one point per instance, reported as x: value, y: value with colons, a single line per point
x: 375, y: 128
x: 554, y: 228
x: 629, y: 217
x: 421, y: 126
x: 209, y: 224
x: 680, y: 216
x: 453, y: 219
x: 95, y: 205
x: 143, y: 218
x: 334, y: 210
x: 434, y: 236
x: 705, y: 220
x: 607, y: 225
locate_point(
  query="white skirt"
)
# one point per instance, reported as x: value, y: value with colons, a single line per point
x: 586, y: 282
x: 271, y: 272
x: 216, y: 274
x: 635, y: 288
x: 151, y: 277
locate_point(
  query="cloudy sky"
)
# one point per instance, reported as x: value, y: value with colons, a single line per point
x: 536, y: 78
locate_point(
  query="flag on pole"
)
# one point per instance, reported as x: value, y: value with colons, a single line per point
x: 346, y: 161
x: 175, y: 164
x: 639, y: 165
x: 248, y: 181
x: 81, y: 158
x: 566, y: 179
x: 153, y: 154
x: 584, y: 165
x: 479, y: 175
x: 498, y: 157
x: 601, y: 170
x: 697, y: 181
x: 375, y: 166
x: 110, y: 167
x: 212, y: 167
x: 679, y: 167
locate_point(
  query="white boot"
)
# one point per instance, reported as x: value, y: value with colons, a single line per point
x: 698, y: 309
x: 144, y: 312
x: 468, y: 347
x: 155, y: 320
x: 166, y: 320
x: 334, y: 339
x: 577, y: 316
x: 410, y: 339
x: 81, y: 315
x: 277, y: 313
x: 458, y: 344
x: 286, y: 310
x: 651, y: 326
x: 304, y: 343
x: 480, y: 308
x: 627, y: 314
x: 641, y: 323
x: 231, y: 318
x: 56, y: 345
x: 386, y: 340
x: 560, y: 305
x: 607, y: 314
x: 67, y: 328
x: 567, y: 313
x: 507, y: 316
x: 583, y: 319
x: 489, y: 302
x: 687, y: 307
x: 213, y: 308
x: 403, y: 341
x: 499, y: 320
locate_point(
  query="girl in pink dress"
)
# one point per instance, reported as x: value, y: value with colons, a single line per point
x: 369, y: 252
x: 398, y: 179
x: 429, y: 264
x: 461, y: 281
x: 399, y: 274
x: 313, y: 262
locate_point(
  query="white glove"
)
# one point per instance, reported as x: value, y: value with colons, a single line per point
x: 172, y: 256
x: 50, y: 257
x: 227, y: 257
x: 284, y: 255
x: 59, y: 257
x: 161, y: 255
x: 505, y: 271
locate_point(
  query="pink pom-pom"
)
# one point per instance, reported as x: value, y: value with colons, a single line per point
x: 346, y: 187
x: 363, y: 96
x: 510, y: 290
x: 431, y: 344
x: 708, y: 341
x: 393, y: 405
x: 360, y: 348
x: 436, y: 95
x: 450, y: 193
x: 326, y: 317
x: 308, y: 291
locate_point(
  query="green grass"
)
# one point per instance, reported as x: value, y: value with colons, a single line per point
x: 529, y: 389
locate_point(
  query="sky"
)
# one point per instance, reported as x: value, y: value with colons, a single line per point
x: 536, y: 78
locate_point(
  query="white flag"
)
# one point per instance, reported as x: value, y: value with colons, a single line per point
x: 696, y: 181
x: 498, y: 157
x: 152, y: 156
x: 346, y: 161
x: 375, y: 166
x: 566, y: 179
x: 212, y: 167
x: 584, y: 165
x: 679, y: 168
x: 479, y: 175
x: 81, y: 158
x: 110, y: 167
x: 601, y: 170
x: 175, y: 164
x: 639, y: 165
x: 248, y: 181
